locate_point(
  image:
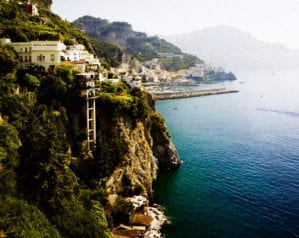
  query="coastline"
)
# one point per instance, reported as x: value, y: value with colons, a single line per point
x: 186, y: 94
x: 147, y: 222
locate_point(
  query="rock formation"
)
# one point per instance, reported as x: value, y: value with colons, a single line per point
x: 141, y: 148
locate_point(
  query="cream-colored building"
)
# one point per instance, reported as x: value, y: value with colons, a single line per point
x: 5, y: 41
x: 43, y: 53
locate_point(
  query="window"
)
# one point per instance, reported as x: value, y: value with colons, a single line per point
x: 52, y: 58
x: 40, y: 58
x: 25, y: 58
x: 21, y: 58
x: 21, y: 50
x: 25, y: 49
x: 29, y: 58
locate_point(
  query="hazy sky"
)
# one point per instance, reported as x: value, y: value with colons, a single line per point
x: 269, y: 20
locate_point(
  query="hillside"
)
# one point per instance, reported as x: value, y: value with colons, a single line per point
x: 138, y: 44
x: 51, y: 184
x: 20, y: 26
x: 234, y: 49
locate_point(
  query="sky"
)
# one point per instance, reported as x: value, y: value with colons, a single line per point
x: 273, y: 21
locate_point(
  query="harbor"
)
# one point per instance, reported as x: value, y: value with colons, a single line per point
x: 191, y: 93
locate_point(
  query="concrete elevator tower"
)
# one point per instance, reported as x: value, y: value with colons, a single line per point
x: 88, y: 87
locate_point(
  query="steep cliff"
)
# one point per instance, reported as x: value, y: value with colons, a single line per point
x: 133, y: 140
x: 50, y: 185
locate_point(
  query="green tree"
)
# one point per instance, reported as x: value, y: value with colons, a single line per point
x: 66, y: 73
x: 44, y: 174
x: 8, y: 84
x: 21, y: 220
x: 8, y: 59
x: 9, y: 143
x: 31, y: 82
x: 52, y: 90
x: 122, y: 211
x: 75, y: 221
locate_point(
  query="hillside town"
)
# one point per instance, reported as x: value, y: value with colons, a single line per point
x: 149, y: 74
x: 48, y: 54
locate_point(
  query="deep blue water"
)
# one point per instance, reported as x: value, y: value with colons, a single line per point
x: 240, y: 176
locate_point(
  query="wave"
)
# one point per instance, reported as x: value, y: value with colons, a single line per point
x: 288, y: 113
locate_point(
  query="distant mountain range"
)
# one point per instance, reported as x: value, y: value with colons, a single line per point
x: 234, y: 49
x: 138, y: 44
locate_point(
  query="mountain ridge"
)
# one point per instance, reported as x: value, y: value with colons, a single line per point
x: 235, y: 49
x: 141, y: 46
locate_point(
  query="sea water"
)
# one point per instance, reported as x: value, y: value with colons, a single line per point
x: 240, y: 176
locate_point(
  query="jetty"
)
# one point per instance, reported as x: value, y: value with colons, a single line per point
x: 192, y: 93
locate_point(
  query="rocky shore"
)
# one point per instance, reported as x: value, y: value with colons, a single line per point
x: 147, y: 221
x: 143, y: 148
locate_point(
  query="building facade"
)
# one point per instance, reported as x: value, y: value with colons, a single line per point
x: 43, y: 53
x: 30, y: 8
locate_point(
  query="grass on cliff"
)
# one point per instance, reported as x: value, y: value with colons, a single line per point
x: 122, y: 100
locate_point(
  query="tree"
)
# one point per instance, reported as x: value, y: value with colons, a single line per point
x: 27, y: 80
x: 8, y: 84
x: 9, y: 143
x: 52, y: 90
x: 44, y: 174
x: 19, y: 219
x: 8, y: 60
x: 75, y: 221
x: 122, y: 211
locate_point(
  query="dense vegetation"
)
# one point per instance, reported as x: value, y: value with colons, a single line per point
x: 20, y: 26
x: 138, y: 44
x: 50, y: 185
x: 111, y: 54
x: 41, y: 194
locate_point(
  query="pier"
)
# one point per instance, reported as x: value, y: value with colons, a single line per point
x: 187, y: 94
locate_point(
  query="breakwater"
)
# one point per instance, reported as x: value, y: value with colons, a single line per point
x: 187, y: 94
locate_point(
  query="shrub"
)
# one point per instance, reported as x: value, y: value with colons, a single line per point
x: 75, y: 221
x: 19, y: 219
x: 122, y: 211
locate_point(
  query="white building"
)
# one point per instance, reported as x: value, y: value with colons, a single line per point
x: 196, y: 72
x: 74, y: 53
x: 135, y: 81
x: 5, y: 41
x: 77, y: 54
x: 43, y: 53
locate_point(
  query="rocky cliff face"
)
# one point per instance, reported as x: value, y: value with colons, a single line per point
x: 138, y: 44
x: 138, y: 163
x: 163, y: 148
x: 116, y: 32
x: 141, y: 148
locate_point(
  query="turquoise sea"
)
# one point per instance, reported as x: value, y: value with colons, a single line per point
x: 240, y: 176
